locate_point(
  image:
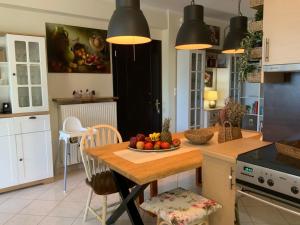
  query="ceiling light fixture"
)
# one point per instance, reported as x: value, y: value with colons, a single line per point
x: 237, y: 32
x: 128, y: 24
x: 193, y: 33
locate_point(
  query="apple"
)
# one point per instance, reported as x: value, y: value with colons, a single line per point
x: 165, y: 145
x: 132, y: 142
x: 140, y: 145
x: 140, y: 137
x: 148, y: 146
x: 176, y: 142
x: 157, y: 146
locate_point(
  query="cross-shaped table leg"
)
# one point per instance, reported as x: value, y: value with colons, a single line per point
x: 128, y: 198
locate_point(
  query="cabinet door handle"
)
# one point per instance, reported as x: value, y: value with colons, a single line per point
x: 14, y: 74
x: 32, y: 118
x: 230, y: 177
x: 21, y: 160
x: 267, y: 52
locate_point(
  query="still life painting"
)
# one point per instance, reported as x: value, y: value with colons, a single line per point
x: 72, y: 49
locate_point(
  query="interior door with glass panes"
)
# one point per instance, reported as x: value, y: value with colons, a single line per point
x: 197, y: 89
x: 27, y: 63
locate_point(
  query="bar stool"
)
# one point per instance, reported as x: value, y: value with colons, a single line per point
x: 72, y: 129
x: 180, y: 206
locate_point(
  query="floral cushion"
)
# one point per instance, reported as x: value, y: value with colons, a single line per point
x: 181, y: 207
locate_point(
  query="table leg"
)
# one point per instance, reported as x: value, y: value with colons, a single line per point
x: 153, y: 189
x: 127, y: 203
x: 66, y: 166
x: 199, y: 176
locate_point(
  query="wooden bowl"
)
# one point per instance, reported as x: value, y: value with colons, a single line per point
x: 199, y: 136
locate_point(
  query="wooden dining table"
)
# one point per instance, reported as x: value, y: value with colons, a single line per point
x: 142, y: 174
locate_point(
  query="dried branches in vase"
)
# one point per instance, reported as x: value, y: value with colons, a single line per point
x: 230, y: 119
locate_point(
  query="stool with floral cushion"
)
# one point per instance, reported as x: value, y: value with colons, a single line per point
x: 181, y: 207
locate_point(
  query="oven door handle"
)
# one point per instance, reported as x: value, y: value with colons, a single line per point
x: 267, y: 202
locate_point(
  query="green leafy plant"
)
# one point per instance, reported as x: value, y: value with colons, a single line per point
x: 252, y: 40
x: 259, y: 15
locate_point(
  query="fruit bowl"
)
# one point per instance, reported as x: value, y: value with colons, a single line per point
x: 199, y: 136
x: 153, y: 143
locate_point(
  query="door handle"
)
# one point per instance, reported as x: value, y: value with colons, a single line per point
x: 230, y: 177
x: 32, y: 118
x: 267, y: 52
x: 157, y: 106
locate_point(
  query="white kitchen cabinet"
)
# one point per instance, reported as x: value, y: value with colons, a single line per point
x: 26, y: 75
x: 8, y: 162
x: 281, y: 32
x: 26, y: 150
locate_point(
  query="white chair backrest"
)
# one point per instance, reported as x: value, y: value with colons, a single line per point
x: 72, y: 124
x: 97, y: 136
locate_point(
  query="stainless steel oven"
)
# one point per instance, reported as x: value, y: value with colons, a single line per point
x: 266, y: 175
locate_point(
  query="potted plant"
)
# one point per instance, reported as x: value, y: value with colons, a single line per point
x: 230, y: 120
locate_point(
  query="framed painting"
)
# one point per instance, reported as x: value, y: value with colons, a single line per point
x: 209, y: 78
x: 72, y: 49
x: 214, y: 35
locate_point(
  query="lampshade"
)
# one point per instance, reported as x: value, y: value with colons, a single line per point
x: 237, y: 32
x: 128, y: 24
x: 193, y: 33
x: 211, y: 95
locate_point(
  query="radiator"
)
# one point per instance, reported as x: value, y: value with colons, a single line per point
x: 90, y: 115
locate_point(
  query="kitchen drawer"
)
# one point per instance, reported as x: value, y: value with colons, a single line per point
x: 30, y: 124
x: 6, y: 127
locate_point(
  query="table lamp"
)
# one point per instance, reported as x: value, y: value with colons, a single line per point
x: 212, y: 97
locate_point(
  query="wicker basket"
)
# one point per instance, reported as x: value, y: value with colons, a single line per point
x: 254, y: 77
x: 229, y: 133
x: 256, y: 26
x: 199, y: 136
x: 289, y: 150
x: 256, y: 53
x: 256, y: 4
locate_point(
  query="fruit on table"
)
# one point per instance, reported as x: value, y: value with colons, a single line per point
x: 132, y: 142
x: 176, y: 142
x: 140, y: 137
x: 148, y: 139
x: 140, y: 145
x: 157, y: 145
x: 165, y: 145
x: 148, y: 146
x: 155, y: 136
x: 166, y: 135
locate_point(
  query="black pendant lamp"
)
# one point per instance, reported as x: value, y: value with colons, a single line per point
x: 128, y: 24
x: 194, y: 33
x: 237, y: 32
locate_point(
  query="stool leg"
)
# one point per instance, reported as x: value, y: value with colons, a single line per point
x: 66, y: 165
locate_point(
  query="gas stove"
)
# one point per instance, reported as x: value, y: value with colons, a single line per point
x: 267, y: 172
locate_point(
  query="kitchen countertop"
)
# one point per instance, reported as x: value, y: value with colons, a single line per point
x: 229, y: 151
x: 11, y: 115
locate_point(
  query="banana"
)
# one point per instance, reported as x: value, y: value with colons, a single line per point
x: 155, y: 136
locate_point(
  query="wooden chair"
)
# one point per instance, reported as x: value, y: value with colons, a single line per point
x: 99, y: 177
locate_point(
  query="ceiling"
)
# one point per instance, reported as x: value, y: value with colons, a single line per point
x: 220, y: 9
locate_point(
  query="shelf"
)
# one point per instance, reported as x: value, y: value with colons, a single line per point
x: 256, y: 4
x: 245, y: 97
x: 256, y: 26
x: 71, y: 101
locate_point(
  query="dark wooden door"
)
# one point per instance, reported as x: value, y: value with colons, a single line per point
x: 137, y: 83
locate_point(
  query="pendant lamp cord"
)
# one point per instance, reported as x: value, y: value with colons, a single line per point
x: 193, y: 2
x: 239, y: 9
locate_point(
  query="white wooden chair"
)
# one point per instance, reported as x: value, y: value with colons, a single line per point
x: 99, y: 177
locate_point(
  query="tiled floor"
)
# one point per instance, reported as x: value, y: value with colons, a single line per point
x: 48, y: 205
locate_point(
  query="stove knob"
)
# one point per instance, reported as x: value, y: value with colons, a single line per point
x: 270, y: 182
x: 294, y: 190
x: 261, y: 180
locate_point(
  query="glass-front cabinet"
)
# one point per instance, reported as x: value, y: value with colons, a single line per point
x: 26, y: 75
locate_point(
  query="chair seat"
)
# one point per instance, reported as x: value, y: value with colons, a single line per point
x: 103, y: 183
x: 181, y: 207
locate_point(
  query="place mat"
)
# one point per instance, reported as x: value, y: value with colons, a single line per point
x: 143, y: 157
